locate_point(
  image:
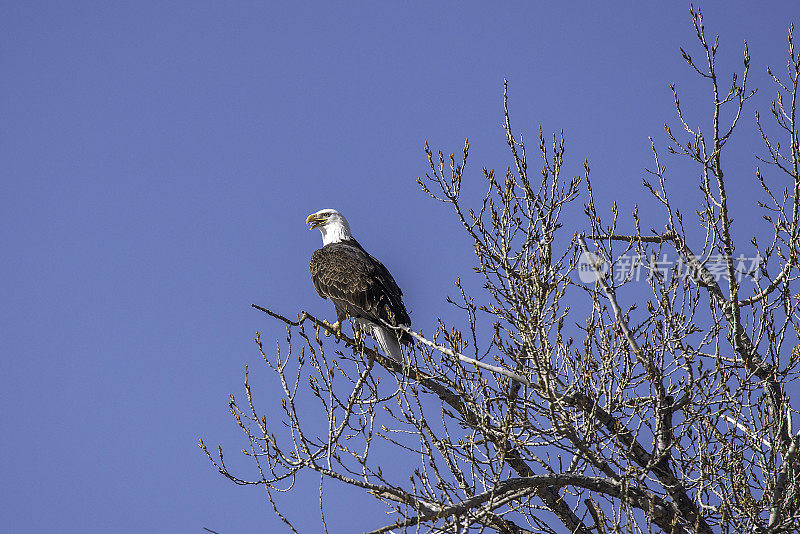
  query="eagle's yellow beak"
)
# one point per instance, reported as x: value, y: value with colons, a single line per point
x: 314, y: 220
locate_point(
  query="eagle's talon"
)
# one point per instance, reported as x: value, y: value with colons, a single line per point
x: 335, y: 327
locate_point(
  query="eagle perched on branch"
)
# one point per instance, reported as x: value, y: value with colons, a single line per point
x: 358, y: 284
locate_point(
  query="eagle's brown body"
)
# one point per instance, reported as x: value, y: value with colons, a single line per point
x: 358, y: 285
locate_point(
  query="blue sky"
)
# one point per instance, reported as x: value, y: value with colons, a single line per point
x: 157, y: 163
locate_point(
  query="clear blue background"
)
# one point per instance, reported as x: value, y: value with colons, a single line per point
x: 157, y: 163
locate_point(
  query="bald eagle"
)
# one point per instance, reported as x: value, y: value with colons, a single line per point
x: 358, y: 284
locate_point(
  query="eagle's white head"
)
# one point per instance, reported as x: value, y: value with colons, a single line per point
x: 332, y: 224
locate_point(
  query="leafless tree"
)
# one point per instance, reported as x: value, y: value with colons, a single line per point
x: 626, y: 403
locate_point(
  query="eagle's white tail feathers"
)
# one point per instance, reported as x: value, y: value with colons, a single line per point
x: 387, y: 339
